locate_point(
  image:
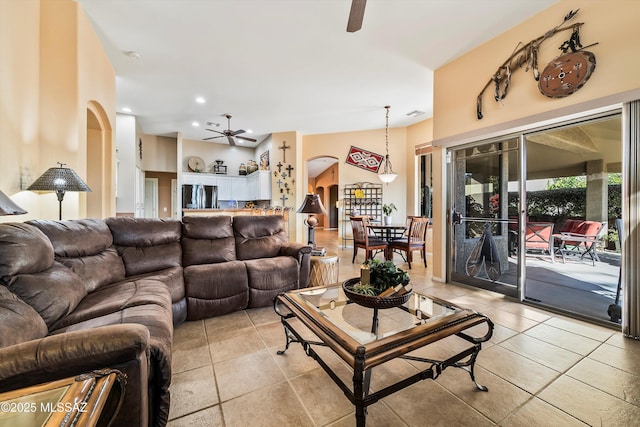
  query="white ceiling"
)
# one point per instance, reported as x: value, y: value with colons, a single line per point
x: 283, y: 65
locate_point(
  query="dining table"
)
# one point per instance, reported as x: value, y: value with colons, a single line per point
x: 388, y: 232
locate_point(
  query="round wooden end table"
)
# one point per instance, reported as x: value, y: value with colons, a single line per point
x: 324, y: 270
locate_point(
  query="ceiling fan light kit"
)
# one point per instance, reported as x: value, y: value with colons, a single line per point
x: 387, y: 175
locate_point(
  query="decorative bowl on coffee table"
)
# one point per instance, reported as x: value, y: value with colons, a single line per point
x: 373, y: 301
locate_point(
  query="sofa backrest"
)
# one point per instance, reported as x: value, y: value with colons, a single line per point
x: 86, y: 247
x: 147, y: 244
x: 207, y: 240
x: 259, y: 236
x: 28, y: 269
x: 23, y: 249
x: 19, y: 322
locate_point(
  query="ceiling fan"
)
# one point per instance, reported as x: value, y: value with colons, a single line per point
x: 356, y: 15
x: 230, y: 134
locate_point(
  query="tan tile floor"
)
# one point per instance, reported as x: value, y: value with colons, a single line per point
x: 542, y: 369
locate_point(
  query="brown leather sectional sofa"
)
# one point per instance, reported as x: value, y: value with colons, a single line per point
x: 87, y: 294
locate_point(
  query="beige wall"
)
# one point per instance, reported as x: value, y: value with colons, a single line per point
x: 52, y: 67
x: 337, y: 145
x: 611, y: 23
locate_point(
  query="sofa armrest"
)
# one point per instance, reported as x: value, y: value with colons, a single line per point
x: 302, y: 253
x: 124, y: 347
x: 72, y: 353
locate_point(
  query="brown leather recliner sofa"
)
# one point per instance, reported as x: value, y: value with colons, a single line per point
x: 88, y: 294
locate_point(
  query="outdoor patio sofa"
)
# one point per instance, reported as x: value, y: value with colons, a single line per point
x: 87, y: 294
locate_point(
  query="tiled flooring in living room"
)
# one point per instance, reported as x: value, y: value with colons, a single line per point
x: 542, y: 369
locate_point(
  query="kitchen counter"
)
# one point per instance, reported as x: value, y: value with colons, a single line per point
x: 230, y: 212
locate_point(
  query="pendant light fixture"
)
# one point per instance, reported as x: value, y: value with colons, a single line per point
x: 387, y: 175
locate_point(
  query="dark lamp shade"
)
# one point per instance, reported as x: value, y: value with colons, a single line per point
x: 59, y: 179
x: 312, y: 205
x: 7, y: 207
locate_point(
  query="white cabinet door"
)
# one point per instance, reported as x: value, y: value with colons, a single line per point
x: 224, y: 188
x: 239, y: 188
x: 263, y: 187
x: 253, y: 186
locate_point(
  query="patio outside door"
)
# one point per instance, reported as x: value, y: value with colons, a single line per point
x: 484, y: 230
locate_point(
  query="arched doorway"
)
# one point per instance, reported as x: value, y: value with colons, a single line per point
x: 322, y: 179
x: 100, y: 202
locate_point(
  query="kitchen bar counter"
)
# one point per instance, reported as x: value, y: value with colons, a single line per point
x: 206, y: 212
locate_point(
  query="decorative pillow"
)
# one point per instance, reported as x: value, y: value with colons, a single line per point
x: 23, y: 249
x: 54, y: 293
x: 18, y: 321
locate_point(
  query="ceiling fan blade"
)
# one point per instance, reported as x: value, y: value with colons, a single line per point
x: 237, y: 132
x: 356, y: 15
x: 212, y: 137
x: 217, y: 131
x: 231, y: 141
x: 247, y: 139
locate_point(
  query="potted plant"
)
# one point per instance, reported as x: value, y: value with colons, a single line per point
x: 386, y: 210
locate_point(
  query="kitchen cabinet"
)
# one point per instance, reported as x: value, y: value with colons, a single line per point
x: 194, y: 178
x: 256, y: 186
x: 224, y: 188
x: 239, y: 189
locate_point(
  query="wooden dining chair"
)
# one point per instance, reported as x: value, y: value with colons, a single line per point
x: 416, y: 240
x: 363, y: 239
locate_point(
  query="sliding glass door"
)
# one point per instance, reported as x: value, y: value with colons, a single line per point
x: 537, y: 216
x: 483, y: 234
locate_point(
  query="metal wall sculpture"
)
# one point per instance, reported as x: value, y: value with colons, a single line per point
x: 561, y: 77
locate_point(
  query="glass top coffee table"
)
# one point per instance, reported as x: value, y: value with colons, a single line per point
x: 365, y: 338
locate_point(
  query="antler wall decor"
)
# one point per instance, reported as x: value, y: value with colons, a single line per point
x: 562, y: 76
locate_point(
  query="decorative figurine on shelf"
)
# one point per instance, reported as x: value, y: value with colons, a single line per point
x: 243, y: 169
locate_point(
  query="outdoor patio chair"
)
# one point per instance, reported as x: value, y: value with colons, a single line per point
x: 538, y: 238
x: 415, y: 240
x: 362, y: 238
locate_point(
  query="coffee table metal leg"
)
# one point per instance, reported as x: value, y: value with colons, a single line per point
x: 361, y: 381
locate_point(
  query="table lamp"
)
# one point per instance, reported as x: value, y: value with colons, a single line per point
x: 312, y: 205
x: 60, y: 180
x: 8, y: 207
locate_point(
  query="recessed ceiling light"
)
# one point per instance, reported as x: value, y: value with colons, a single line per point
x: 200, y: 100
x: 195, y: 124
x: 126, y: 109
x: 415, y: 113
x: 249, y: 131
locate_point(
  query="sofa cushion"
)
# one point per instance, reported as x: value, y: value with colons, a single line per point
x: 85, y: 246
x: 116, y: 297
x: 147, y: 244
x: 216, y: 289
x: 19, y: 322
x: 172, y: 278
x: 259, y: 236
x: 269, y: 277
x: 207, y: 240
x: 53, y: 293
x: 23, y: 250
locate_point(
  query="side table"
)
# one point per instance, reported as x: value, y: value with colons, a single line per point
x: 324, y: 269
x: 87, y: 400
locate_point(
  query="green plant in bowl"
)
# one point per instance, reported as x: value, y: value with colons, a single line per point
x: 382, y: 276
